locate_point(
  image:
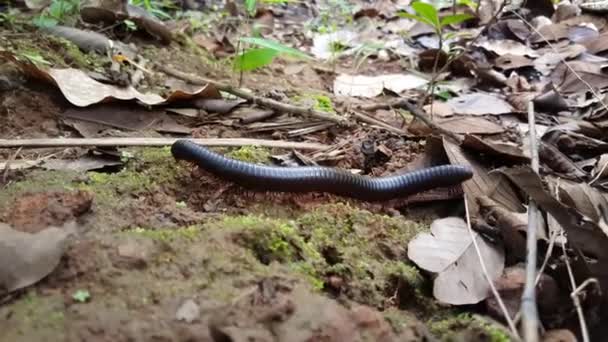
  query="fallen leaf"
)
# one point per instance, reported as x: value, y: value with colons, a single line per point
x: 584, y: 234
x: 32, y: 256
x: 470, y: 125
x: 479, y: 104
x: 503, y: 47
x: 510, y: 62
x: 510, y: 286
x: 504, y: 150
x: 449, y: 251
x: 372, y: 86
x: 82, y: 164
x: 483, y: 183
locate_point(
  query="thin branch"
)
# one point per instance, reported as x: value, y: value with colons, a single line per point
x: 529, y: 310
x: 262, y: 101
x: 418, y: 113
x: 484, y: 269
x: 111, y: 142
x: 373, y: 121
x: 574, y: 296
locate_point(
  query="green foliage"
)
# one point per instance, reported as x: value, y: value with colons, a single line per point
x: 158, y: 8
x: 256, y: 58
x: 81, y: 296
x: 427, y: 14
x: 58, y: 12
x: 280, y: 48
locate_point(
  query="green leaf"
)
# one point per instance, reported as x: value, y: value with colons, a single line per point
x: 455, y: 19
x: 44, y: 21
x: 254, y: 59
x: 250, y: 6
x: 81, y: 296
x: 427, y: 11
x: 415, y: 17
x: 278, y: 47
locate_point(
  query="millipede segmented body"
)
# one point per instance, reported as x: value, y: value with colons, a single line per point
x: 319, y: 178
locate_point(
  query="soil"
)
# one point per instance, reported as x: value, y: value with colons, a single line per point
x: 168, y: 253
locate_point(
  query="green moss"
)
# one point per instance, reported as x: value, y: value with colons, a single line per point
x: 317, y: 101
x: 147, y: 169
x: 40, y: 317
x: 333, y: 240
x: 252, y: 154
x: 448, y: 328
x: 167, y: 235
x: 37, y: 181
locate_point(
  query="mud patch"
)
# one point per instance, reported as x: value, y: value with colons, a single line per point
x: 34, y: 212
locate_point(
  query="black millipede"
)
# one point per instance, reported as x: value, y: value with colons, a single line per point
x: 319, y: 178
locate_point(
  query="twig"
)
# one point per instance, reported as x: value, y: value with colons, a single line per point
x: 416, y: 112
x: 373, y: 121
x: 574, y: 295
x: 225, y: 142
x: 528, y: 300
x: 484, y: 269
x: 265, y: 102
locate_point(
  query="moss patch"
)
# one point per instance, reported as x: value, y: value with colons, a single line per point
x: 148, y: 169
x: 38, y: 317
x: 452, y: 327
x: 251, y: 154
x: 366, y: 250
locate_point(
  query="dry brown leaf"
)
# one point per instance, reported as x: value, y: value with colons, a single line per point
x: 505, y: 150
x: 551, y: 33
x: 582, y: 197
x: 449, y: 251
x: 30, y: 257
x: 597, y: 44
x: 510, y: 61
x: 439, y: 109
x: 470, y: 125
x: 511, y: 285
x: 493, y: 185
x: 584, y: 234
x: 559, y: 162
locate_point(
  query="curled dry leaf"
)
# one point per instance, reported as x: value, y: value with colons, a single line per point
x: 449, y: 251
x: 27, y: 258
x: 584, y: 234
x: 581, y: 196
x: 483, y: 183
x: 372, y: 86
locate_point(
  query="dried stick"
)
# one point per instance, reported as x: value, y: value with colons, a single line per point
x: 111, y: 142
x: 528, y: 300
x: 574, y: 295
x: 484, y: 269
x: 373, y: 121
x: 416, y: 112
x: 262, y: 101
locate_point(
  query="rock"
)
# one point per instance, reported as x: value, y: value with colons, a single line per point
x: 188, y: 312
